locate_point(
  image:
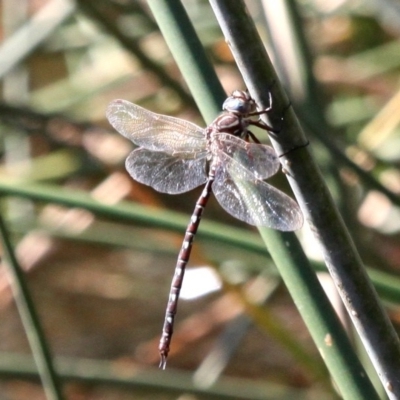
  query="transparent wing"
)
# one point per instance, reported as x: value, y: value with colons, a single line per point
x: 260, y: 160
x: 164, y: 172
x: 156, y: 132
x: 251, y: 200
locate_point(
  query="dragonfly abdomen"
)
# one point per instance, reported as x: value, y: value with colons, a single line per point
x: 183, y: 259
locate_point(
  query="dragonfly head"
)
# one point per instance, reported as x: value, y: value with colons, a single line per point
x: 239, y: 102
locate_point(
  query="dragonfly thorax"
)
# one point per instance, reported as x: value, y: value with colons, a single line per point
x: 234, y: 124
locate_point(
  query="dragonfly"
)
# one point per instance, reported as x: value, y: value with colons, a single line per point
x: 174, y: 156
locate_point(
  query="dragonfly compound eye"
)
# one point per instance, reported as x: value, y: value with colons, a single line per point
x: 239, y: 102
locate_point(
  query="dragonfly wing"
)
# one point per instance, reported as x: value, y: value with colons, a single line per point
x: 259, y: 159
x: 251, y: 200
x: 165, y: 173
x: 156, y: 132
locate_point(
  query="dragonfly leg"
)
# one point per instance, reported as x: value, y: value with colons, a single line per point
x: 253, y: 137
x: 261, y: 124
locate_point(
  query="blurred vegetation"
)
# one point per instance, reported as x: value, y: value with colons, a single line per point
x: 98, y: 249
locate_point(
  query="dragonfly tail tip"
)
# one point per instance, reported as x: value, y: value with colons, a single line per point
x: 163, y: 362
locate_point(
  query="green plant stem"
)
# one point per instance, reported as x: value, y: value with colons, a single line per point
x: 317, y: 313
x: 190, y: 56
x: 124, y: 211
x: 170, y: 383
x: 342, y: 259
x: 387, y: 284
x: 30, y: 320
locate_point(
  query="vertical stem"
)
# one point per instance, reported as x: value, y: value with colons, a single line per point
x: 341, y: 257
x: 190, y: 56
x: 30, y: 319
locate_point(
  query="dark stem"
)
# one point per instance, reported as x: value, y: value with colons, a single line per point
x: 341, y: 256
